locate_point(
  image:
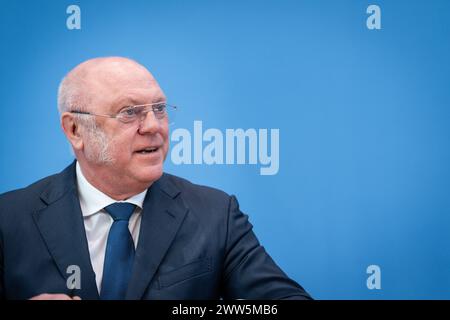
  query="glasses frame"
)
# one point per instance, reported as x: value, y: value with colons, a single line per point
x: 149, y: 106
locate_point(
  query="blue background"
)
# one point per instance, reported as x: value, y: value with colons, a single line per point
x: 363, y: 115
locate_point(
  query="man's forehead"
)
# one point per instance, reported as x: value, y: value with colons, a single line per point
x: 137, y: 98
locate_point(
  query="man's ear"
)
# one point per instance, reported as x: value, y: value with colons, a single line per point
x: 72, y: 130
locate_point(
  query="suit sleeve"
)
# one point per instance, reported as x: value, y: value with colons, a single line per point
x: 249, y: 271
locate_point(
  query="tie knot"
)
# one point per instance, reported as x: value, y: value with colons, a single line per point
x: 120, y: 210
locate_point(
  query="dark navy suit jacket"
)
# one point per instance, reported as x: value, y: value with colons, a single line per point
x: 194, y: 243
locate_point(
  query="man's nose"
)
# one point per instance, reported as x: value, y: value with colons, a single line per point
x: 149, y: 123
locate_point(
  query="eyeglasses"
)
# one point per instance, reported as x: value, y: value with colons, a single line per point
x: 139, y: 112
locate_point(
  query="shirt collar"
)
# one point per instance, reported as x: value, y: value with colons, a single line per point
x: 93, y: 200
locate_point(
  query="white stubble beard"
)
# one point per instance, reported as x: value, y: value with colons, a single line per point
x: 99, y: 149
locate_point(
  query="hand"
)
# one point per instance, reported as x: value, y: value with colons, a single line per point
x: 47, y: 296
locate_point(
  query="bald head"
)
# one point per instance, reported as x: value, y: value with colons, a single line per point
x: 100, y: 76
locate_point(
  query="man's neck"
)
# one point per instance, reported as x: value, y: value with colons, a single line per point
x: 118, y: 191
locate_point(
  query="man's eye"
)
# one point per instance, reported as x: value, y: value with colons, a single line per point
x: 159, y: 108
x: 129, y: 112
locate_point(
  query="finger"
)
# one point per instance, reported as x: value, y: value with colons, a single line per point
x: 47, y: 296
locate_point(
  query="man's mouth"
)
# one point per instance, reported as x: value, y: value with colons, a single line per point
x: 147, y: 150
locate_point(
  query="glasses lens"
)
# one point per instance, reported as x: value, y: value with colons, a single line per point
x: 160, y: 110
x: 130, y: 114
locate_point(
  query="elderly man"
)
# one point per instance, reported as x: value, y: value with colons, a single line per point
x: 112, y: 225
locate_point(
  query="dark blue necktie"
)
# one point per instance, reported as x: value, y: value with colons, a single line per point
x: 119, y: 253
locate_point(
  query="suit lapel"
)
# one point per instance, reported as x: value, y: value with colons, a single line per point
x: 162, y: 215
x: 62, y: 228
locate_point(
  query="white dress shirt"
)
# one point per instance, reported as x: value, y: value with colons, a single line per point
x: 97, y: 221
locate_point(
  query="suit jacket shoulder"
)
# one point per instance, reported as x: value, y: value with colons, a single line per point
x: 16, y: 203
x: 195, y: 195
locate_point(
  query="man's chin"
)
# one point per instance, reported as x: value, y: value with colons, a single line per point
x: 150, y: 174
